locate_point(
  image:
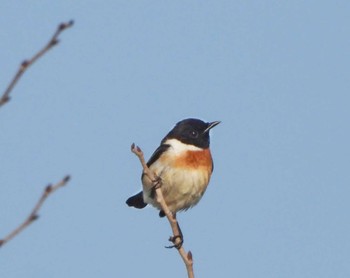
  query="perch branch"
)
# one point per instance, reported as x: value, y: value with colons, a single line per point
x: 34, y: 214
x: 27, y: 63
x: 186, y: 257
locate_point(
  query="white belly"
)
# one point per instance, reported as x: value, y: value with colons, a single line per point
x: 181, y: 189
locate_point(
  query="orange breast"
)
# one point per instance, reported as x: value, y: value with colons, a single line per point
x: 195, y: 159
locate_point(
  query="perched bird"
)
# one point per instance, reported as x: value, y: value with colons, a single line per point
x: 183, y: 163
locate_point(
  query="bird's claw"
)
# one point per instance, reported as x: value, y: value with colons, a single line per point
x: 176, y: 244
x: 157, y: 182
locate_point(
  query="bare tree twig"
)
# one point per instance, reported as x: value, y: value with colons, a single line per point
x: 34, y: 214
x: 186, y: 257
x: 27, y: 63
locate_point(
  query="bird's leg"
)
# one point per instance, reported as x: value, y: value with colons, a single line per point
x: 173, y: 239
x: 156, y: 183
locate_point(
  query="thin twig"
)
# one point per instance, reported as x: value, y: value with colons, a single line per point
x: 27, y: 63
x: 186, y: 257
x: 34, y: 214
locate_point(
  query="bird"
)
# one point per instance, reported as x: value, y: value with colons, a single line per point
x: 184, y: 165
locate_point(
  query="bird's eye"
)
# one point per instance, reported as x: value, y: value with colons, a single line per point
x: 193, y: 134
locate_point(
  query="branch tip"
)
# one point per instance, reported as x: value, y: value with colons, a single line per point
x: 136, y: 150
x: 66, y: 179
x: 65, y: 25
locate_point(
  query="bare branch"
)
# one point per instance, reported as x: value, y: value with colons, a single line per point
x: 34, y: 214
x: 27, y: 63
x: 186, y: 257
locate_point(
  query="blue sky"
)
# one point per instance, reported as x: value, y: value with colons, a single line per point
x: 276, y: 73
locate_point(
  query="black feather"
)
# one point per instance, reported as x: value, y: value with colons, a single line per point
x: 157, y: 153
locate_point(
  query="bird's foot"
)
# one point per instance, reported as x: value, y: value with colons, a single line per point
x: 157, y: 182
x: 177, y: 241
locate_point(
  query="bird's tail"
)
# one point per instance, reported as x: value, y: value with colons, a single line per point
x: 136, y: 201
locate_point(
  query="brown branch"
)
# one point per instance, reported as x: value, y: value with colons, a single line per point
x: 34, y: 214
x: 186, y: 257
x: 27, y: 63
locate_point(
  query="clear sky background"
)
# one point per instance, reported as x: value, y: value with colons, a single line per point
x: 276, y: 73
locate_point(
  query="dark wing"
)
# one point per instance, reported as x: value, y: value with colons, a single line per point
x: 157, y: 153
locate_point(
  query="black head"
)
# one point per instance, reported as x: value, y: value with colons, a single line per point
x: 193, y: 132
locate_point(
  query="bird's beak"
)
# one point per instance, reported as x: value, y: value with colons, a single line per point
x: 211, y: 125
